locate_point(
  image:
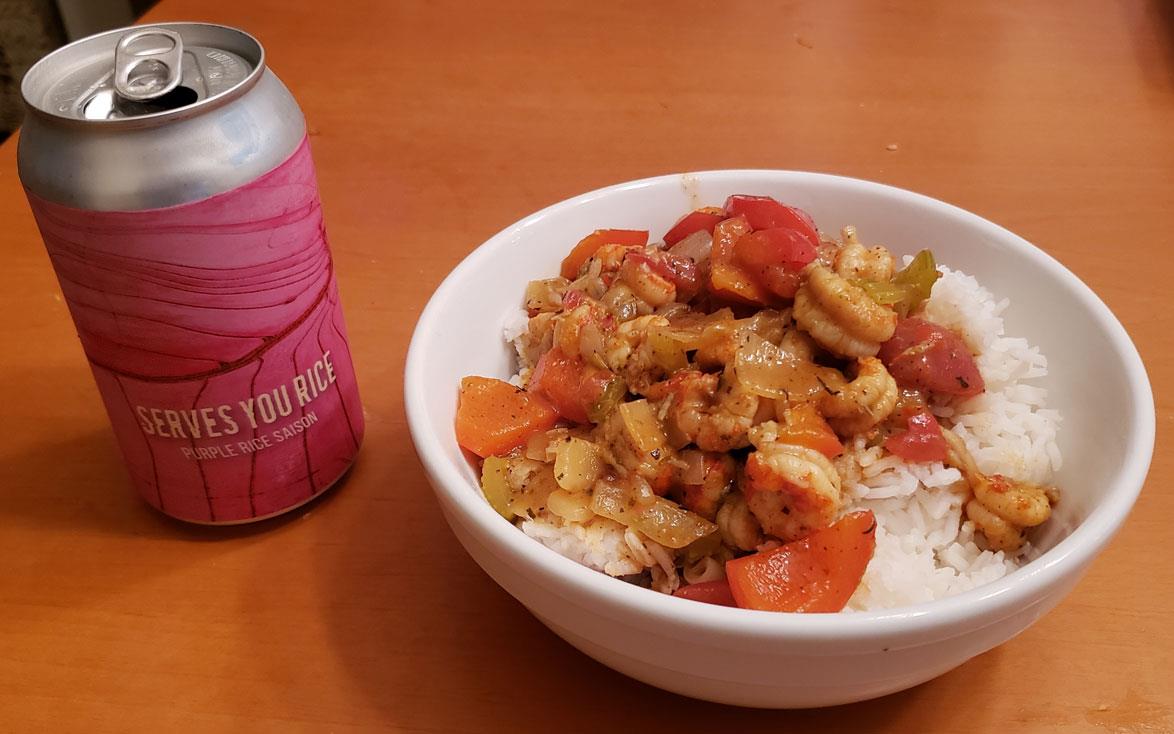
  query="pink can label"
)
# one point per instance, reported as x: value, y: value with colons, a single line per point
x: 216, y: 336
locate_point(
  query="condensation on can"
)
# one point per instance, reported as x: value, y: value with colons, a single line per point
x: 170, y: 175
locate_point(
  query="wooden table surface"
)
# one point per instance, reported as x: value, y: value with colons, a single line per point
x: 436, y: 124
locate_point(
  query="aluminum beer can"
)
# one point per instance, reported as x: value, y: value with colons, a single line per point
x: 170, y: 175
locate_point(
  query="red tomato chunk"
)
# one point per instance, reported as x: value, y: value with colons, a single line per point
x: 571, y: 386
x: 926, y: 355
x: 921, y: 441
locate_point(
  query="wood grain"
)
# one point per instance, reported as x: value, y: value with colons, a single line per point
x: 433, y: 126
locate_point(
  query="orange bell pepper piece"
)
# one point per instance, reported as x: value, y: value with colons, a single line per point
x: 587, y: 246
x: 802, y: 424
x: 494, y: 417
x: 818, y: 573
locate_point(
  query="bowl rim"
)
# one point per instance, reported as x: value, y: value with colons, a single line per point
x: 987, y: 602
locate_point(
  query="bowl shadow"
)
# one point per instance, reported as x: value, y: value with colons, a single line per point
x: 79, y: 483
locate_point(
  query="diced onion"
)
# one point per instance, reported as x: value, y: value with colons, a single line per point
x: 672, y: 310
x: 704, y: 569
x: 591, y: 344
x: 530, y: 484
x: 689, y: 328
x: 769, y: 324
x: 546, y: 295
x: 642, y: 426
x: 641, y: 493
x: 667, y: 351
x: 495, y: 485
x: 694, y: 472
x: 570, y: 506
x: 696, y: 246
x: 662, y: 521
x: 577, y: 464
x: 765, y: 370
x: 538, y: 445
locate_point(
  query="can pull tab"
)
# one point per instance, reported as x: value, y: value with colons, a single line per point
x: 147, y: 63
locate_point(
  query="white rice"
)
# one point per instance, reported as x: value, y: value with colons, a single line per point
x: 513, y: 329
x: 599, y: 543
x: 924, y: 550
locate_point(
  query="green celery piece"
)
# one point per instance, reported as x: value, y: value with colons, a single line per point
x: 495, y: 485
x: 918, y: 279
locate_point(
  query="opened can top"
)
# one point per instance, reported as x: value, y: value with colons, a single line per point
x: 144, y: 75
x: 153, y: 116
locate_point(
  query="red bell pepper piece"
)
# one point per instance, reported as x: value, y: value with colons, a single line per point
x: 702, y: 219
x: 775, y: 257
x: 710, y: 592
x: 818, y: 573
x: 764, y: 212
x: 727, y: 278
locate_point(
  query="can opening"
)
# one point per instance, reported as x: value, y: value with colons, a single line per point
x: 105, y: 104
x: 176, y: 98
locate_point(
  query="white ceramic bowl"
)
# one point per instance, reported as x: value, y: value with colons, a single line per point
x: 790, y: 660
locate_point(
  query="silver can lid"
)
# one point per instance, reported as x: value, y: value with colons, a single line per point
x: 145, y: 74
